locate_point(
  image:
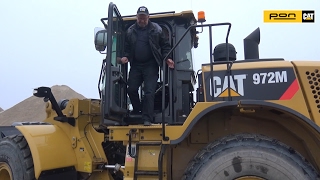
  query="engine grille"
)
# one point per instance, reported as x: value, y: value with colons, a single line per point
x: 314, y: 81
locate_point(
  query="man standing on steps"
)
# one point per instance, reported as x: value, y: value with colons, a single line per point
x: 145, y: 47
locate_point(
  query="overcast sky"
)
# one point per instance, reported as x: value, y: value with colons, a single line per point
x: 46, y: 43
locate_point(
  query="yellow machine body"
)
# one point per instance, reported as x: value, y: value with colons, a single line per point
x: 60, y: 145
x: 290, y: 114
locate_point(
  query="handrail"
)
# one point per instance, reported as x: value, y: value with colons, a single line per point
x: 164, y: 137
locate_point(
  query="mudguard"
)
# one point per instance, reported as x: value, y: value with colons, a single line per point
x: 202, y: 109
x: 50, y: 147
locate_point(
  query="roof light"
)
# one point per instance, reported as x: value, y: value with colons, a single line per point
x: 201, y: 17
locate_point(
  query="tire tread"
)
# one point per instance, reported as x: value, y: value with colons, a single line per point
x: 210, y: 150
x: 24, y: 150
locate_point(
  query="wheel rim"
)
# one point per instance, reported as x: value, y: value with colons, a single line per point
x: 250, y: 178
x: 5, y: 171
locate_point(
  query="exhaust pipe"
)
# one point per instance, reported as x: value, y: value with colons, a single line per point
x: 251, y: 45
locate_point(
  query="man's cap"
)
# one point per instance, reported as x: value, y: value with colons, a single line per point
x: 143, y: 10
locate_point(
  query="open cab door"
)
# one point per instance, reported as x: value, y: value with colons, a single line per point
x: 112, y: 83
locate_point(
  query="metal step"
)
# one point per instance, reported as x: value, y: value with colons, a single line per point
x: 147, y: 173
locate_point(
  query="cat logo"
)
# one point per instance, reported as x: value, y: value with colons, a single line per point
x: 307, y: 16
x: 220, y: 86
x: 142, y: 9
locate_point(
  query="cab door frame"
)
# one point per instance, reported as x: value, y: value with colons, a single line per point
x: 114, y: 99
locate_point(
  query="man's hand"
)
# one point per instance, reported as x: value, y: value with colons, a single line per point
x: 170, y: 63
x: 124, y: 60
x: 119, y: 60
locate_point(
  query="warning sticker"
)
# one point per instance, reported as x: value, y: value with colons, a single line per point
x: 87, y: 166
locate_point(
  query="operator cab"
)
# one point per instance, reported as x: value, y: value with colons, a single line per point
x: 175, y: 86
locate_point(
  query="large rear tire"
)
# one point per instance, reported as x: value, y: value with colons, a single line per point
x: 15, y: 159
x: 249, y: 156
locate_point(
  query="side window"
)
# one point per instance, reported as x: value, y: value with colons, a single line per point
x: 116, y: 40
x: 184, y: 50
x: 166, y: 32
x: 168, y: 35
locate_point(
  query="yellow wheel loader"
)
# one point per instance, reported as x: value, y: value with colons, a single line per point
x: 234, y: 119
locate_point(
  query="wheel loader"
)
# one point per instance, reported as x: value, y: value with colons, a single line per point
x: 234, y: 119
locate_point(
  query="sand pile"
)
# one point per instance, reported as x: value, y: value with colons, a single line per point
x: 33, y: 108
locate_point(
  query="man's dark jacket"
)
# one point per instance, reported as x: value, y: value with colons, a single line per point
x: 160, y: 45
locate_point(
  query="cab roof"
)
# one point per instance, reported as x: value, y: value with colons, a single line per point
x: 188, y: 14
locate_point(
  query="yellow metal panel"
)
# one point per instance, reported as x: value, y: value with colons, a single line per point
x: 309, y: 79
x: 251, y: 65
x: 175, y: 132
x: 49, y: 146
x: 120, y: 133
x: 85, y: 140
x: 148, y: 158
x: 150, y: 134
x: 282, y: 16
x: 143, y: 133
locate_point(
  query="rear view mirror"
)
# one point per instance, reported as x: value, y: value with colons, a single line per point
x: 100, y: 39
